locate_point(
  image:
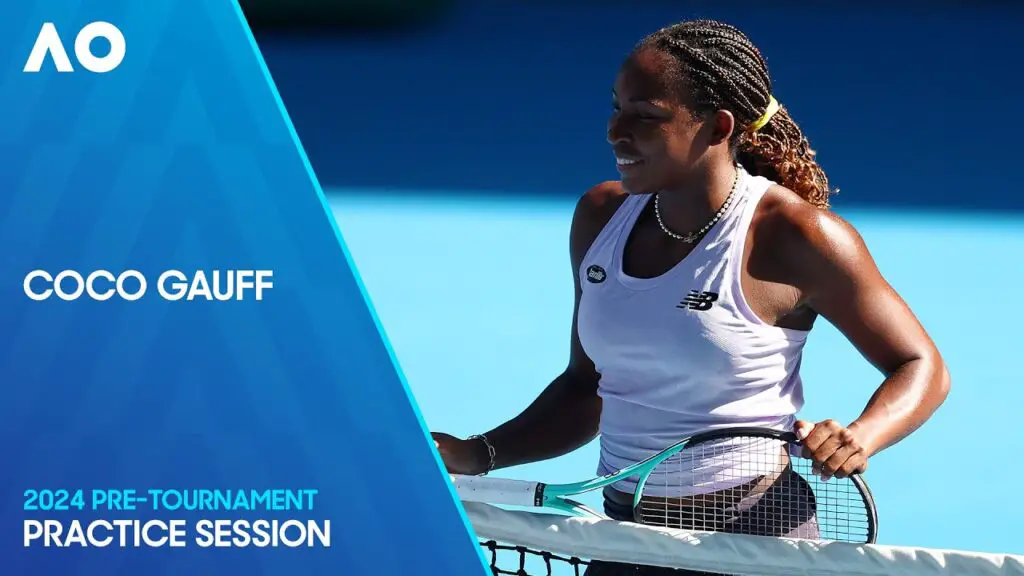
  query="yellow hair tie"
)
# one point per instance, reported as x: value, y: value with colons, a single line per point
x: 773, y: 107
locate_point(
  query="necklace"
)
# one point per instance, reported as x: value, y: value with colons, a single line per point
x: 693, y: 236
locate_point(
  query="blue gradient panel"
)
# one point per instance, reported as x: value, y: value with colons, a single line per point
x: 181, y: 158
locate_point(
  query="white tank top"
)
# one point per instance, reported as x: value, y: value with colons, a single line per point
x: 683, y: 353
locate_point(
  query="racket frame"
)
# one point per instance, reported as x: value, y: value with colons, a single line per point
x: 757, y: 432
x: 557, y: 496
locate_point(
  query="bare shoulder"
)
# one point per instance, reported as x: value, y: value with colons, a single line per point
x: 593, y: 211
x: 807, y: 242
x: 601, y: 201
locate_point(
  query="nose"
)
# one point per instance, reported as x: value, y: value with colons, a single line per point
x: 617, y: 130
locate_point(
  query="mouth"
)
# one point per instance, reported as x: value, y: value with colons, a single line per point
x: 626, y: 164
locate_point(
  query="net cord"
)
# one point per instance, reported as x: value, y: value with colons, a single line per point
x: 614, y: 541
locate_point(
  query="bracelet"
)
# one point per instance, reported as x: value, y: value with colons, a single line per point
x: 490, y: 452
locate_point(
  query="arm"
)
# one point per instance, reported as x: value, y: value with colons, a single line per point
x: 565, y: 415
x: 839, y: 280
x: 563, y: 418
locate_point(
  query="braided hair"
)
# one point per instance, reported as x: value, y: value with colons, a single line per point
x: 719, y: 68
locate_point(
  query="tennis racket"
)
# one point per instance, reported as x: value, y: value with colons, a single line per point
x: 738, y: 480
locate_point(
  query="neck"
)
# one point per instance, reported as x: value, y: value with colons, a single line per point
x: 688, y: 208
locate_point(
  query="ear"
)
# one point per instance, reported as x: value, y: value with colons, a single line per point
x: 722, y: 124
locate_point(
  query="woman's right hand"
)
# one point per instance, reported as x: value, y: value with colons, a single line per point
x: 468, y: 457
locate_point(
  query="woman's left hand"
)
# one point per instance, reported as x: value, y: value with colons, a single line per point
x: 833, y: 448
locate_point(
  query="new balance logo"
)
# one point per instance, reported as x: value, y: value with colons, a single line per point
x: 596, y: 274
x: 700, y: 301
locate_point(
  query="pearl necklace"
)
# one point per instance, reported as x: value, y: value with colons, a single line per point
x: 693, y: 236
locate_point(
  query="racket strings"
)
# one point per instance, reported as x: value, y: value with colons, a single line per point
x: 752, y: 485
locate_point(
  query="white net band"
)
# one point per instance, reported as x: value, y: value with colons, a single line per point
x: 612, y: 541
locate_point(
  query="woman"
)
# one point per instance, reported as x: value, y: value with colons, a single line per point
x: 699, y: 275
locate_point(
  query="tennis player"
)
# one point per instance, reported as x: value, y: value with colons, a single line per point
x: 698, y: 277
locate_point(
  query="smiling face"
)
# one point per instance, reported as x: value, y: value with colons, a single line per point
x: 657, y: 139
x: 688, y: 100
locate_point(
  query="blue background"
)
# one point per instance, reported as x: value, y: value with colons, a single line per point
x: 182, y: 159
x: 453, y: 155
x: 464, y: 142
x: 907, y: 106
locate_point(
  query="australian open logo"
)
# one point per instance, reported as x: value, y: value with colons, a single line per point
x: 596, y: 274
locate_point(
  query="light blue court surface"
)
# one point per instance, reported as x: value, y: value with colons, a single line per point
x: 476, y: 299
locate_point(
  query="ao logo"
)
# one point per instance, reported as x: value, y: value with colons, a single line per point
x: 49, y: 43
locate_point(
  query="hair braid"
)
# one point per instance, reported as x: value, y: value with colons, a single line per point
x: 721, y: 69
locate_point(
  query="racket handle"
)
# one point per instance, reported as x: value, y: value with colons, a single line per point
x: 495, y: 490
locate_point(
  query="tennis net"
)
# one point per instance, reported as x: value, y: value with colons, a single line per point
x: 526, y: 543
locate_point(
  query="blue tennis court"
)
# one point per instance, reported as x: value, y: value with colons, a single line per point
x: 476, y: 298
